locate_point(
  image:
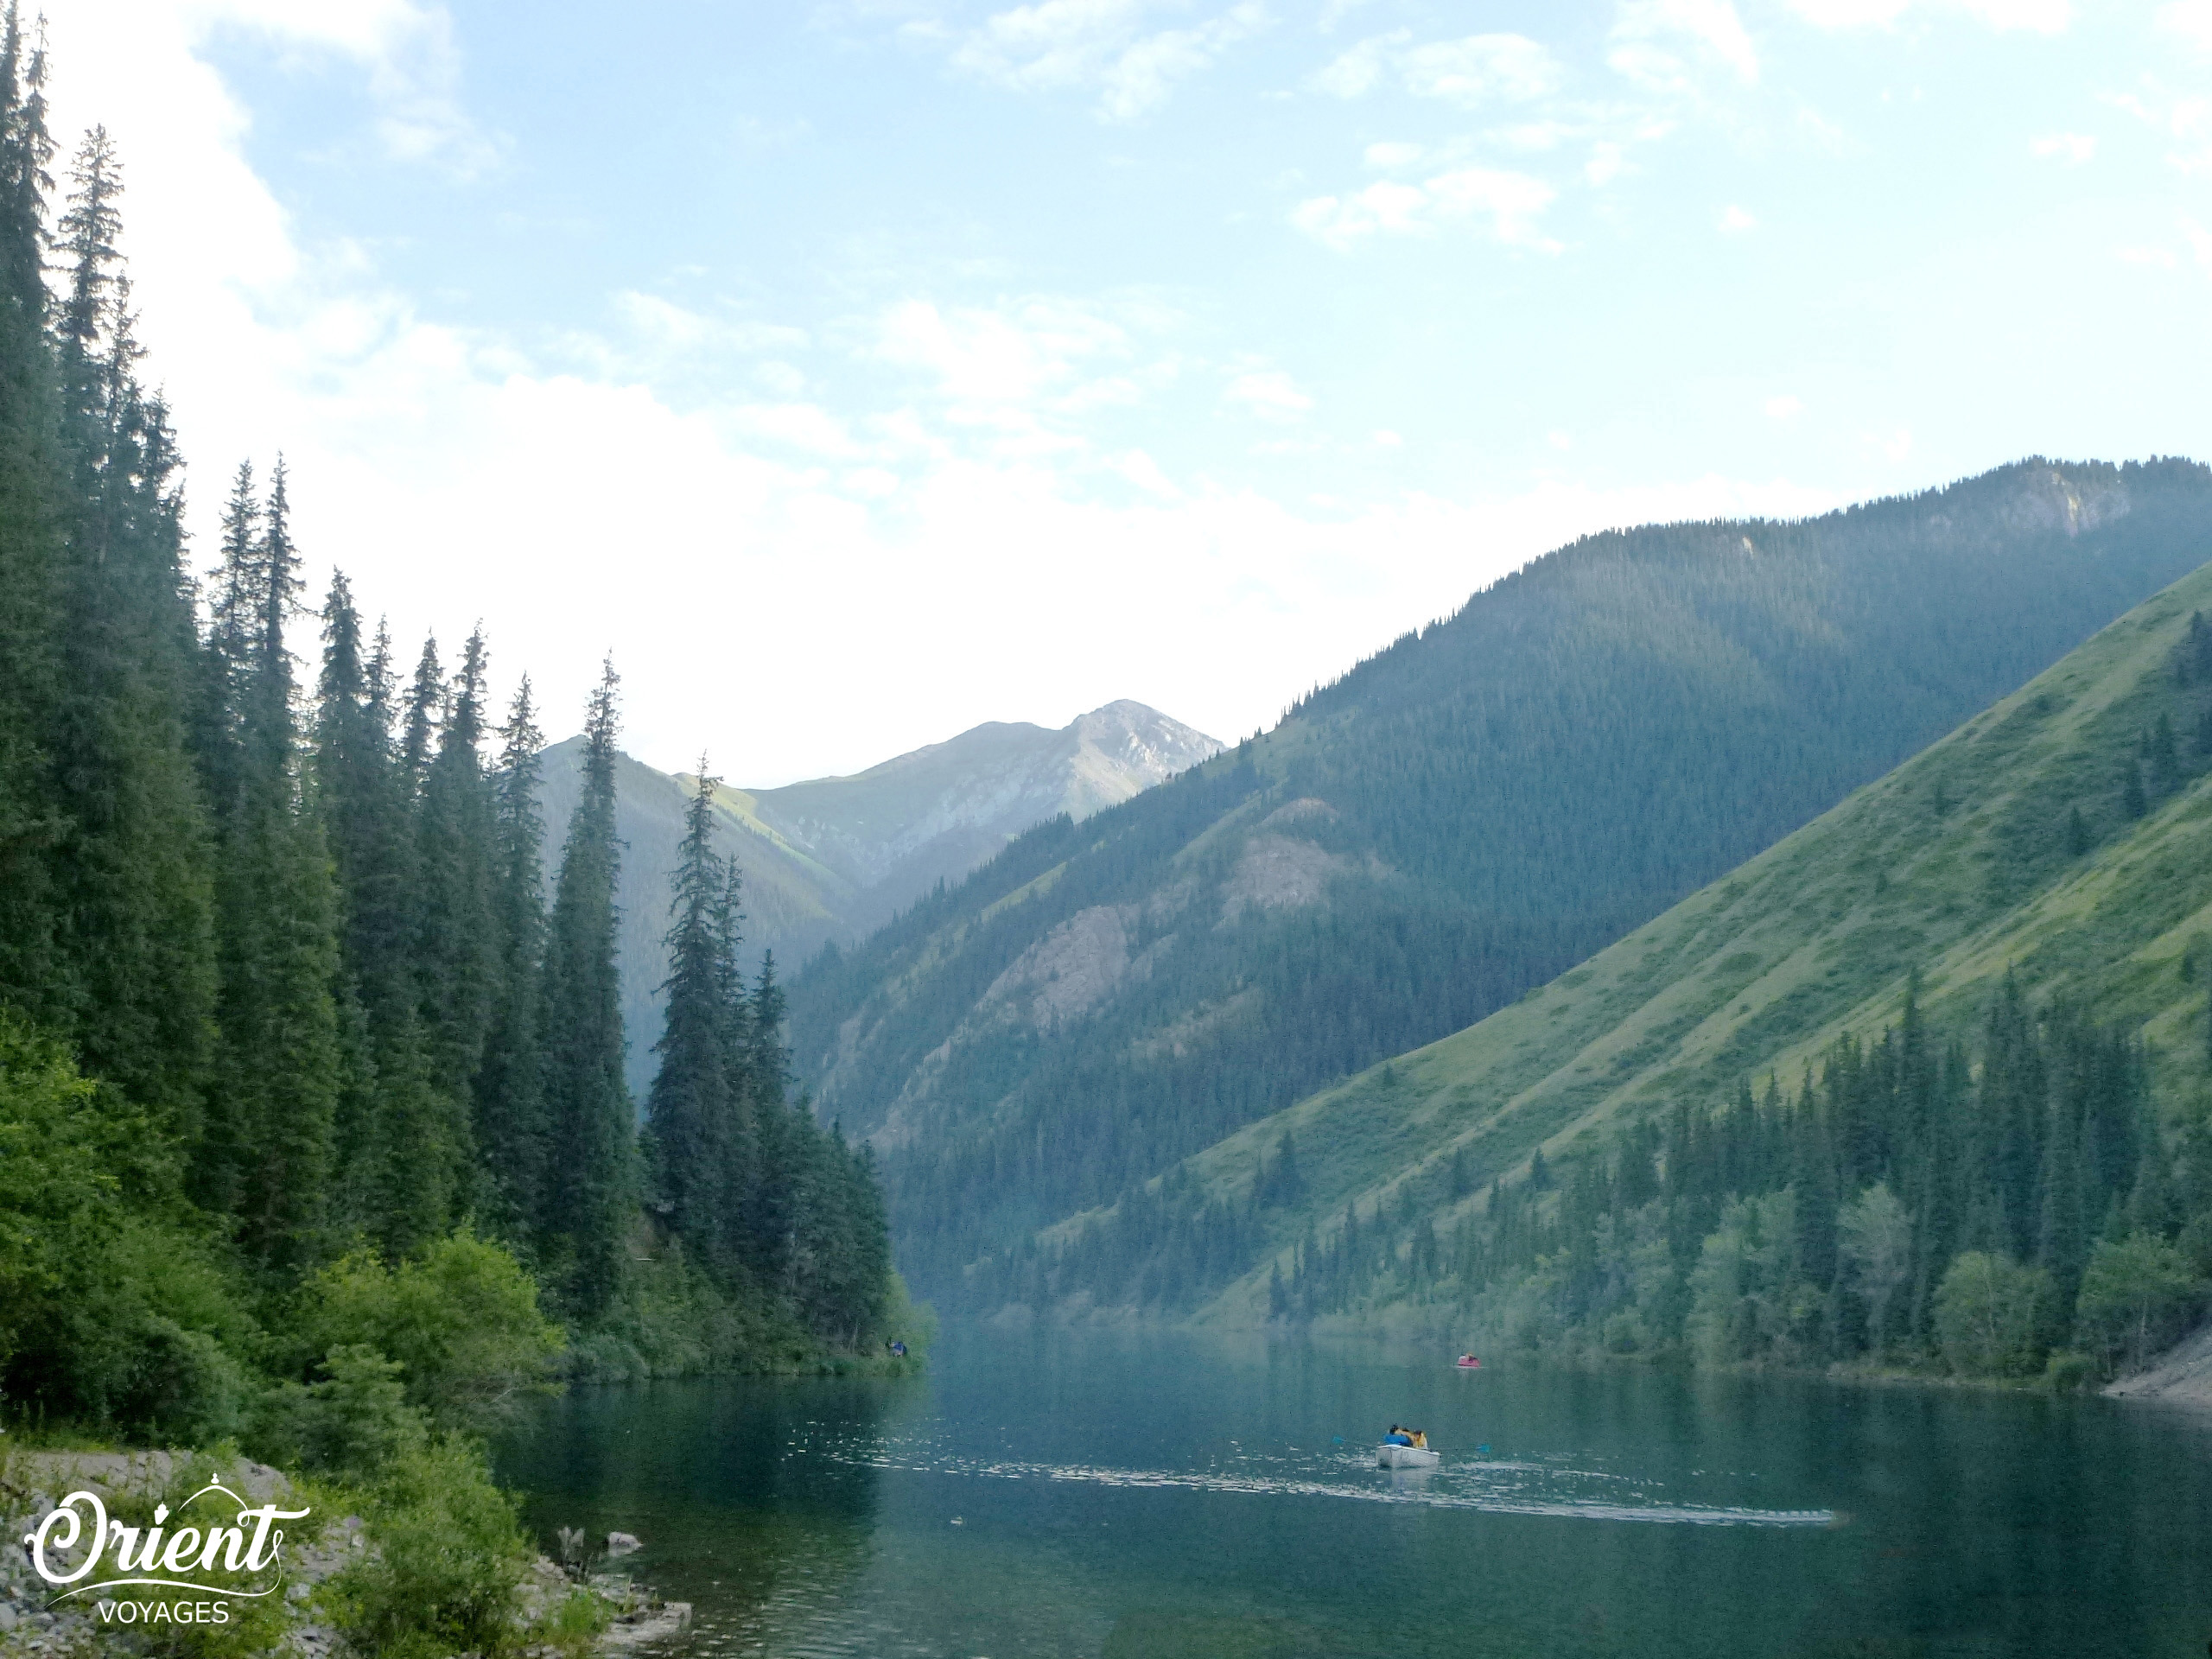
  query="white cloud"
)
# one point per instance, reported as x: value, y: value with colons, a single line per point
x: 2161, y: 257
x: 665, y: 326
x: 1008, y: 359
x: 2072, y: 148
x: 1480, y: 68
x: 1736, y: 220
x: 2037, y: 17
x: 2186, y: 119
x: 2200, y: 244
x: 1393, y: 154
x: 1644, y: 31
x: 1107, y: 44
x: 1849, y: 14
x: 1895, y: 445
x: 1512, y: 202
x: 1784, y: 408
x: 412, y: 61
x: 1270, y: 394
x: 2190, y: 19
x: 1477, y: 70
x: 901, y: 563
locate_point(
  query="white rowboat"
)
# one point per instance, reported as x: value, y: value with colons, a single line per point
x: 1406, y: 1457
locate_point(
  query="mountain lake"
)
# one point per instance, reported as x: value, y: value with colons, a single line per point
x: 1139, y: 1494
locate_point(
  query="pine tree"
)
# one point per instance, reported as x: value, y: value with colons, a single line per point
x: 135, y: 867
x: 510, y: 1101
x: 266, y: 1158
x: 458, y: 946
x: 591, y: 1190
x: 32, y: 486
x: 690, y: 1110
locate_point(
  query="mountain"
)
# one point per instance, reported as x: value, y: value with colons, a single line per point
x: 828, y: 859
x: 1986, y: 971
x: 1457, y: 821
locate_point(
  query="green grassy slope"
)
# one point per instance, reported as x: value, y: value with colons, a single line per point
x: 1958, y: 863
x: 1462, y: 818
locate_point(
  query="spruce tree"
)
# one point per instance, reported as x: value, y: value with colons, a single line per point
x: 457, y: 946
x: 134, y: 868
x: 32, y: 486
x: 266, y: 1157
x: 591, y: 1191
x: 509, y: 1094
x: 388, y: 1123
x: 690, y: 1109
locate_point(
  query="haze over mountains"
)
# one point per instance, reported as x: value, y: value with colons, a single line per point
x: 2059, y: 842
x: 1456, y: 822
x: 829, y: 858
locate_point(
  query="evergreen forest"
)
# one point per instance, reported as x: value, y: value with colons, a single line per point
x: 297, y: 1009
x: 1455, y: 823
x: 1928, y: 1086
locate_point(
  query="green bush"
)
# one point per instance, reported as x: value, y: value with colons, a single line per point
x: 353, y: 1422
x: 448, y: 1564
x: 2137, y: 1295
x: 2069, y: 1372
x: 1992, y: 1314
x: 111, y: 1310
x: 462, y: 1320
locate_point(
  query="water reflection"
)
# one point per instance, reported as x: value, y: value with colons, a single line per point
x: 759, y: 1540
x: 1128, y: 1495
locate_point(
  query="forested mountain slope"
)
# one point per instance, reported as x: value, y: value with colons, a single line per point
x: 2045, y: 871
x: 1460, y: 818
x: 831, y: 858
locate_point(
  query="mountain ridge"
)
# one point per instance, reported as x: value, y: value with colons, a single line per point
x: 826, y: 859
x: 1503, y: 794
x: 1952, y: 874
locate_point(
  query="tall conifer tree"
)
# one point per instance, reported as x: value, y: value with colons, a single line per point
x: 592, y: 1186
x: 509, y: 1095
x: 31, y: 488
x: 688, y: 1114
x: 267, y: 1156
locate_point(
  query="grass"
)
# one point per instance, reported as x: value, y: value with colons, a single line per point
x: 1954, y: 864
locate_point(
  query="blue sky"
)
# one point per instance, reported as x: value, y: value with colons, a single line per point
x: 860, y: 372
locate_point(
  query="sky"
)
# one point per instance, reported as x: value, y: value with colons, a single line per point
x: 858, y: 371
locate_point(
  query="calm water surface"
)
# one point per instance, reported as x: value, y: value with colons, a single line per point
x: 1103, y: 1494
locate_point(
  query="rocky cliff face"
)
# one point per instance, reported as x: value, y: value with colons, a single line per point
x: 833, y: 857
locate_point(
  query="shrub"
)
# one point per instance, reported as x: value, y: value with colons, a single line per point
x: 2137, y: 1297
x: 110, y: 1310
x: 462, y: 1320
x: 448, y: 1564
x: 1991, y: 1314
x: 353, y: 1422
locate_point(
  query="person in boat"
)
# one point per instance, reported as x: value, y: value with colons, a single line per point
x: 1398, y: 1436
x: 1420, y: 1438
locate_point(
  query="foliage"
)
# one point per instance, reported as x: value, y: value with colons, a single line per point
x: 2137, y: 1295
x: 460, y: 1321
x: 448, y: 1558
x: 1474, y: 810
x: 353, y: 1422
x: 1992, y: 1314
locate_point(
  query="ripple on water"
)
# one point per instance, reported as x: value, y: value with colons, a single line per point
x: 1502, y: 1487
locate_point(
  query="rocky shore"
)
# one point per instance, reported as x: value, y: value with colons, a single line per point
x: 32, y: 1483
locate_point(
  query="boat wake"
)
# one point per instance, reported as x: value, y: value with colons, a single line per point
x: 1502, y: 1487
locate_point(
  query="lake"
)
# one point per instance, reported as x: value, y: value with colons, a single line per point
x: 1075, y: 1493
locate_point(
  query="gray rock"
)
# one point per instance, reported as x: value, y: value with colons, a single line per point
x: 621, y: 1543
